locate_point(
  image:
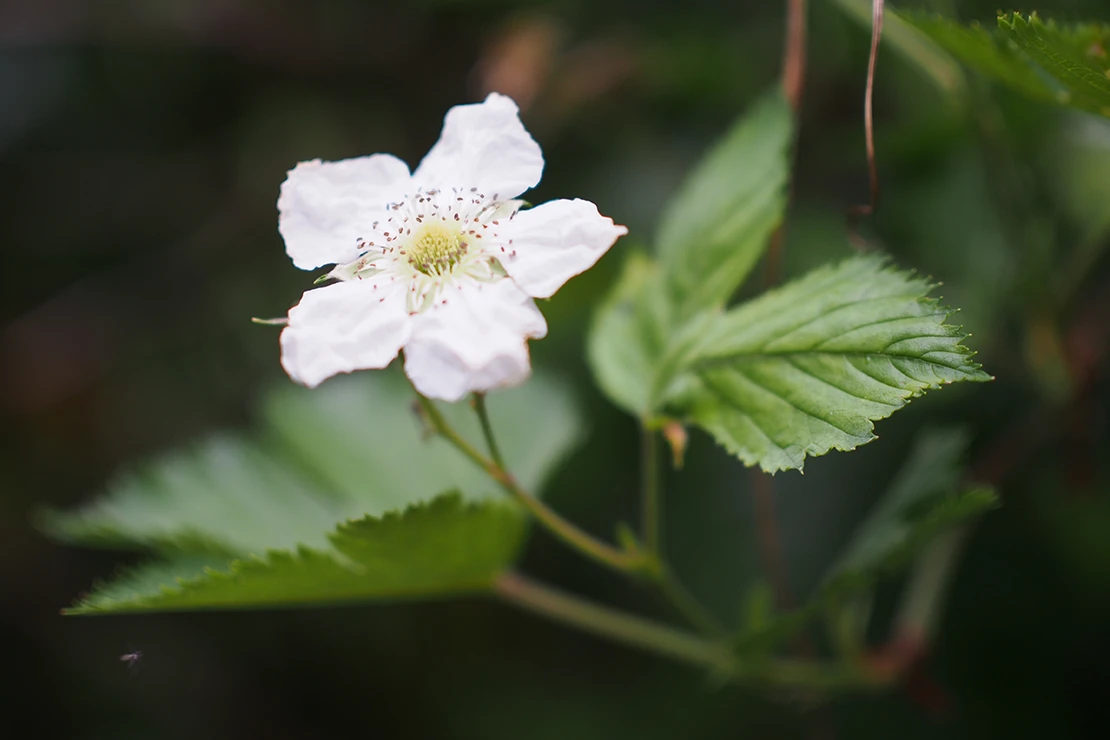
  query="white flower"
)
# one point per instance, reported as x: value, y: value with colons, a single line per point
x: 442, y: 262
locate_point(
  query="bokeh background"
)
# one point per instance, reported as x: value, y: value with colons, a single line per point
x: 142, y: 145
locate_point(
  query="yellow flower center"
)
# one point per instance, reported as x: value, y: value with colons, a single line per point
x: 435, y: 249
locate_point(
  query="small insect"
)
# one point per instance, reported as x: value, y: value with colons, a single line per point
x: 132, y: 659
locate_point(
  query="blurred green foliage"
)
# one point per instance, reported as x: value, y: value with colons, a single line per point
x: 241, y: 524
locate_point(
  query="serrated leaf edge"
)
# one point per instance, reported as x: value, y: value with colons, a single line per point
x: 882, y: 264
x: 238, y: 566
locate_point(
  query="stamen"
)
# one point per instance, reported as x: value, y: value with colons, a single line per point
x: 435, y: 249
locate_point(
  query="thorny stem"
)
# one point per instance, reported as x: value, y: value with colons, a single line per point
x: 627, y: 562
x: 487, y: 429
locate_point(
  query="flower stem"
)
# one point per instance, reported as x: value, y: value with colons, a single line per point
x: 620, y: 560
x: 649, y: 486
x: 487, y: 429
x: 633, y: 561
x: 713, y: 653
x: 611, y: 623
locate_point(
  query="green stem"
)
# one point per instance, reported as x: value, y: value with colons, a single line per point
x: 611, y: 623
x: 682, y: 600
x: 927, y: 588
x: 810, y: 675
x: 649, y: 485
x: 626, y: 562
x: 487, y: 429
x: 652, y: 526
x: 629, y: 629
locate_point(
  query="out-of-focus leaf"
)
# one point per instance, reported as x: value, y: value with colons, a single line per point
x: 1075, y: 56
x: 985, y: 52
x: 718, y: 224
x: 444, y: 546
x: 808, y: 367
x: 351, y: 448
x: 637, y: 345
x: 363, y: 439
x: 1077, y: 161
x: 925, y: 53
x: 1041, y: 59
x: 972, y: 246
x: 226, y: 494
x: 628, y: 335
x: 918, y: 493
x: 925, y: 500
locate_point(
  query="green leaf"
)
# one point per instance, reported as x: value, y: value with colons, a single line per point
x: 349, y: 448
x: 637, y: 346
x: 986, y: 52
x: 718, y: 224
x: 363, y: 439
x: 709, y: 238
x: 1043, y: 60
x: 1075, y: 56
x: 252, y: 522
x: 629, y: 333
x: 227, y: 494
x: 924, y: 501
x: 808, y: 367
x: 445, y: 546
x: 1076, y: 162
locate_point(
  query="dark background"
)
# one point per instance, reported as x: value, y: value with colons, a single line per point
x: 142, y: 145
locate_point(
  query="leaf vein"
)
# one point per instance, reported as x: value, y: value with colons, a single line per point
x: 829, y: 383
x: 836, y: 309
x: 790, y: 403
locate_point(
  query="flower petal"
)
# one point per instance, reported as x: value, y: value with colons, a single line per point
x: 348, y: 326
x: 477, y: 341
x: 483, y: 145
x: 553, y: 242
x: 325, y: 207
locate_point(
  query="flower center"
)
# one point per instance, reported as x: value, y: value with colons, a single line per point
x: 435, y: 248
